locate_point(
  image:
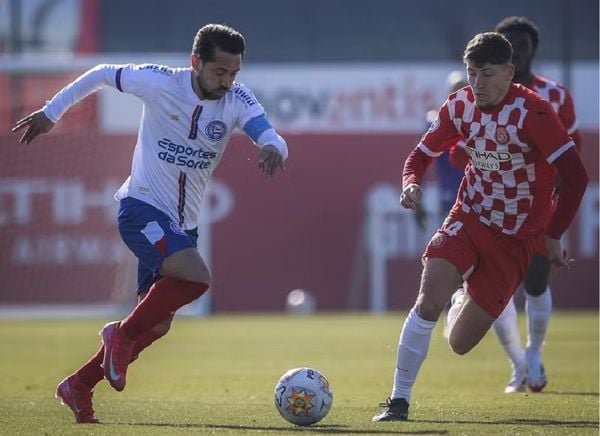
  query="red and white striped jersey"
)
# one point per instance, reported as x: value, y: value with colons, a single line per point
x: 508, y: 181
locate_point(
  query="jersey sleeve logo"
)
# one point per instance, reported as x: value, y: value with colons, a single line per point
x: 243, y: 95
x: 216, y: 130
x: 161, y: 69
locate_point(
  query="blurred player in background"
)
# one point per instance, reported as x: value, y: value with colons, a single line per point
x: 189, y: 115
x: 513, y: 139
x: 527, y: 366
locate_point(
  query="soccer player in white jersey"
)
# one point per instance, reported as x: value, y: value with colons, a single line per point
x: 514, y: 140
x: 527, y: 366
x: 189, y: 115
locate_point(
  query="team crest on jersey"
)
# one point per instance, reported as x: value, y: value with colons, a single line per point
x: 216, y: 130
x: 501, y: 135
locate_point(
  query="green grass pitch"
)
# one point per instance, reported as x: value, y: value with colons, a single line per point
x: 216, y: 376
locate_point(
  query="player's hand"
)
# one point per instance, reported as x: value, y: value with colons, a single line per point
x: 36, y: 123
x: 269, y: 159
x: 411, y: 197
x: 556, y: 254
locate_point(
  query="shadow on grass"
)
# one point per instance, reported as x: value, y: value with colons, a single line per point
x: 517, y: 421
x: 583, y: 394
x: 326, y: 429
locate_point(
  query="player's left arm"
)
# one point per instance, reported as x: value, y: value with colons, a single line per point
x: 273, y: 148
x: 253, y: 120
x: 567, y: 115
x: 574, y: 180
x: 555, y: 145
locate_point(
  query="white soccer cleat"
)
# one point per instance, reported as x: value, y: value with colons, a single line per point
x: 536, y: 374
x: 518, y: 381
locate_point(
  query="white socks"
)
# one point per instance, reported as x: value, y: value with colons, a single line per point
x: 539, y: 309
x: 412, y: 350
x: 508, y: 334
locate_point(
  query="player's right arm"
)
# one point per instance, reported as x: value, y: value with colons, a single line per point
x: 36, y: 123
x: 42, y: 120
x: 433, y: 143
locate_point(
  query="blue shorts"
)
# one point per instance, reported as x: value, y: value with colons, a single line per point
x: 152, y: 236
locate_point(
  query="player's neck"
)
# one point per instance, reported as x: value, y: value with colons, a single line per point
x: 524, y: 79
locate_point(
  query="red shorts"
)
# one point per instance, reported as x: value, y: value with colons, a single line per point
x: 492, y: 264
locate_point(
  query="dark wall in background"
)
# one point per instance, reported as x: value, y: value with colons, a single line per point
x: 346, y: 30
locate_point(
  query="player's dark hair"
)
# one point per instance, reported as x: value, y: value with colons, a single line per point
x: 211, y: 36
x: 520, y: 24
x: 488, y: 47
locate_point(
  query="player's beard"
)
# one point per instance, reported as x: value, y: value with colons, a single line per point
x: 210, y: 95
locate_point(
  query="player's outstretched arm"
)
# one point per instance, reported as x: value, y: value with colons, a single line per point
x: 35, y: 123
x: 269, y: 159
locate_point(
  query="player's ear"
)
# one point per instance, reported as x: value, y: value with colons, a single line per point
x: 196, y: 62
x: 510, y: 70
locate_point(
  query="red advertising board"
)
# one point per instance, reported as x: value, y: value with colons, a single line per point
x: 310, y: 227
x: 301, y: 229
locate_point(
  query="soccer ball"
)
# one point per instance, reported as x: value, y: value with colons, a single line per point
x: 303, y: 396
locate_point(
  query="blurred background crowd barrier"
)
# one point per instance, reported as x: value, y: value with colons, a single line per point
x: 348, y: 83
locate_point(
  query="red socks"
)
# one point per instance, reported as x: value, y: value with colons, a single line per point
x: 144, y: 341
x: 91, y: 373
x: 164, y: 298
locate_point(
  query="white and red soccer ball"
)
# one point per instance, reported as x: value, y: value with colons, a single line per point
x: 303, y: 396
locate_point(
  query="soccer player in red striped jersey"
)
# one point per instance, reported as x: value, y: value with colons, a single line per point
x: 188, y: 118
x: 516, y: 143
x: 527, y: 366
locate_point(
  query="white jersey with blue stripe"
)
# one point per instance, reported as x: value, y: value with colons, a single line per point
x: 181, y: 138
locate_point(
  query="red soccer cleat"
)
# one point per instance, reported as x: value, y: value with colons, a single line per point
x: 74, y: 393
x: 117, y: 355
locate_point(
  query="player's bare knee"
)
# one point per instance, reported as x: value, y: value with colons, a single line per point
x: 187, y: 265
x: 201, y: 275
x: 458, y: 345
x: 428, y: 309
